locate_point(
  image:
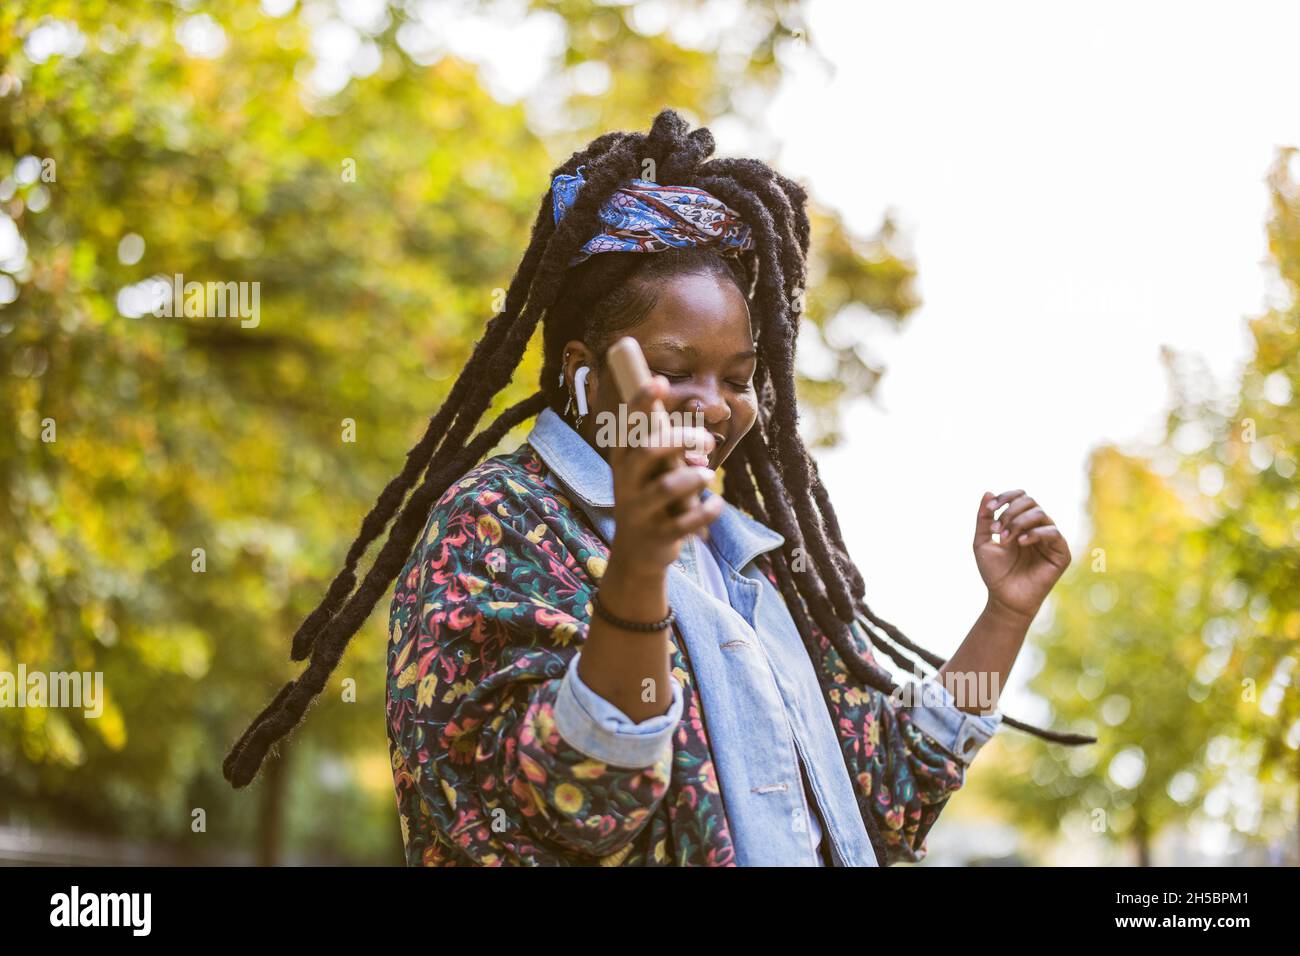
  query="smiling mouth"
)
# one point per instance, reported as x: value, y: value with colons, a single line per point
x: 698, y: 458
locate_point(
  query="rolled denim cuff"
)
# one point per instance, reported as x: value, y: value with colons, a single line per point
x: 961, y: 734
x: 597, y: 728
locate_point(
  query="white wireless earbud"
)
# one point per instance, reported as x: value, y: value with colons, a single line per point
x: 580, y: 387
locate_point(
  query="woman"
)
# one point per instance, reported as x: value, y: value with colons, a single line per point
x: 593, y: 657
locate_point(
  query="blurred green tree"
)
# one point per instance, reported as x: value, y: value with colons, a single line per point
x: 1120, y: 644
x: 1240, y: 452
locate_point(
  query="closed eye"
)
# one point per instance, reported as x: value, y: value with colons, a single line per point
x: 675, y: 377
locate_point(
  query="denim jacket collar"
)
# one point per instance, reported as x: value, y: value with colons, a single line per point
x: 736, y: 537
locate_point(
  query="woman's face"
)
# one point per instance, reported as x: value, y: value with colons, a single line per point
x: 697, y: 337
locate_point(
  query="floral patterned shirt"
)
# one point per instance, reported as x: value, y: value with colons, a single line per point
x: 487, y: 617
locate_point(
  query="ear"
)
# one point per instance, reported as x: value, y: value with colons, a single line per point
x: 575, y: 355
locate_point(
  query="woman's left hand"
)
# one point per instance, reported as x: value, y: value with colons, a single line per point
x: 1030, y: 557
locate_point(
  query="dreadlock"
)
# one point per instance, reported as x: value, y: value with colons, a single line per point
x: 771, y: 475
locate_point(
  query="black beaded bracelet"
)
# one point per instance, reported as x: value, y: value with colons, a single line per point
x: 603, y: 613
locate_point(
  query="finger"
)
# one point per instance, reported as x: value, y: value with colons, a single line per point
x: 698, y: 517
x: 647, y: 401
x: 1017, y: 506
x: 984, y: 519
x: 1047, y: 534
x: 677, y: 437
x: 1023, y: 522
x: 676, y: 485
x: 653, y: 390
x: 1051, y: 540
x: 669, y: 491
x: 670, y: 448
x: 999, y: 500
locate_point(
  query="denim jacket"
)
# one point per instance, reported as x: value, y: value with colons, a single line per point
x: 502, y: 755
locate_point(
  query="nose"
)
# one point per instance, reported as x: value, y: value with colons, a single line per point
x: 712, y: 406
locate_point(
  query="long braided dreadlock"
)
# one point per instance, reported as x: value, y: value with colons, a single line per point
x: 770, y: 474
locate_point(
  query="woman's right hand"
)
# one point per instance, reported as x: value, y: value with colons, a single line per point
x: 656, y: 504
x: 657, y: 489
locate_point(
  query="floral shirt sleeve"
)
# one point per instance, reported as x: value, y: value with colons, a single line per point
x: 903, y: 776
x: 485, y: 626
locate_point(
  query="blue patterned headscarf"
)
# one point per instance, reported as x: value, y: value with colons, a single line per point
x: 647, y: 217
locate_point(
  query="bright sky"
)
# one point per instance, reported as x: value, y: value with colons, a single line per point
x: 1081, y: 186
